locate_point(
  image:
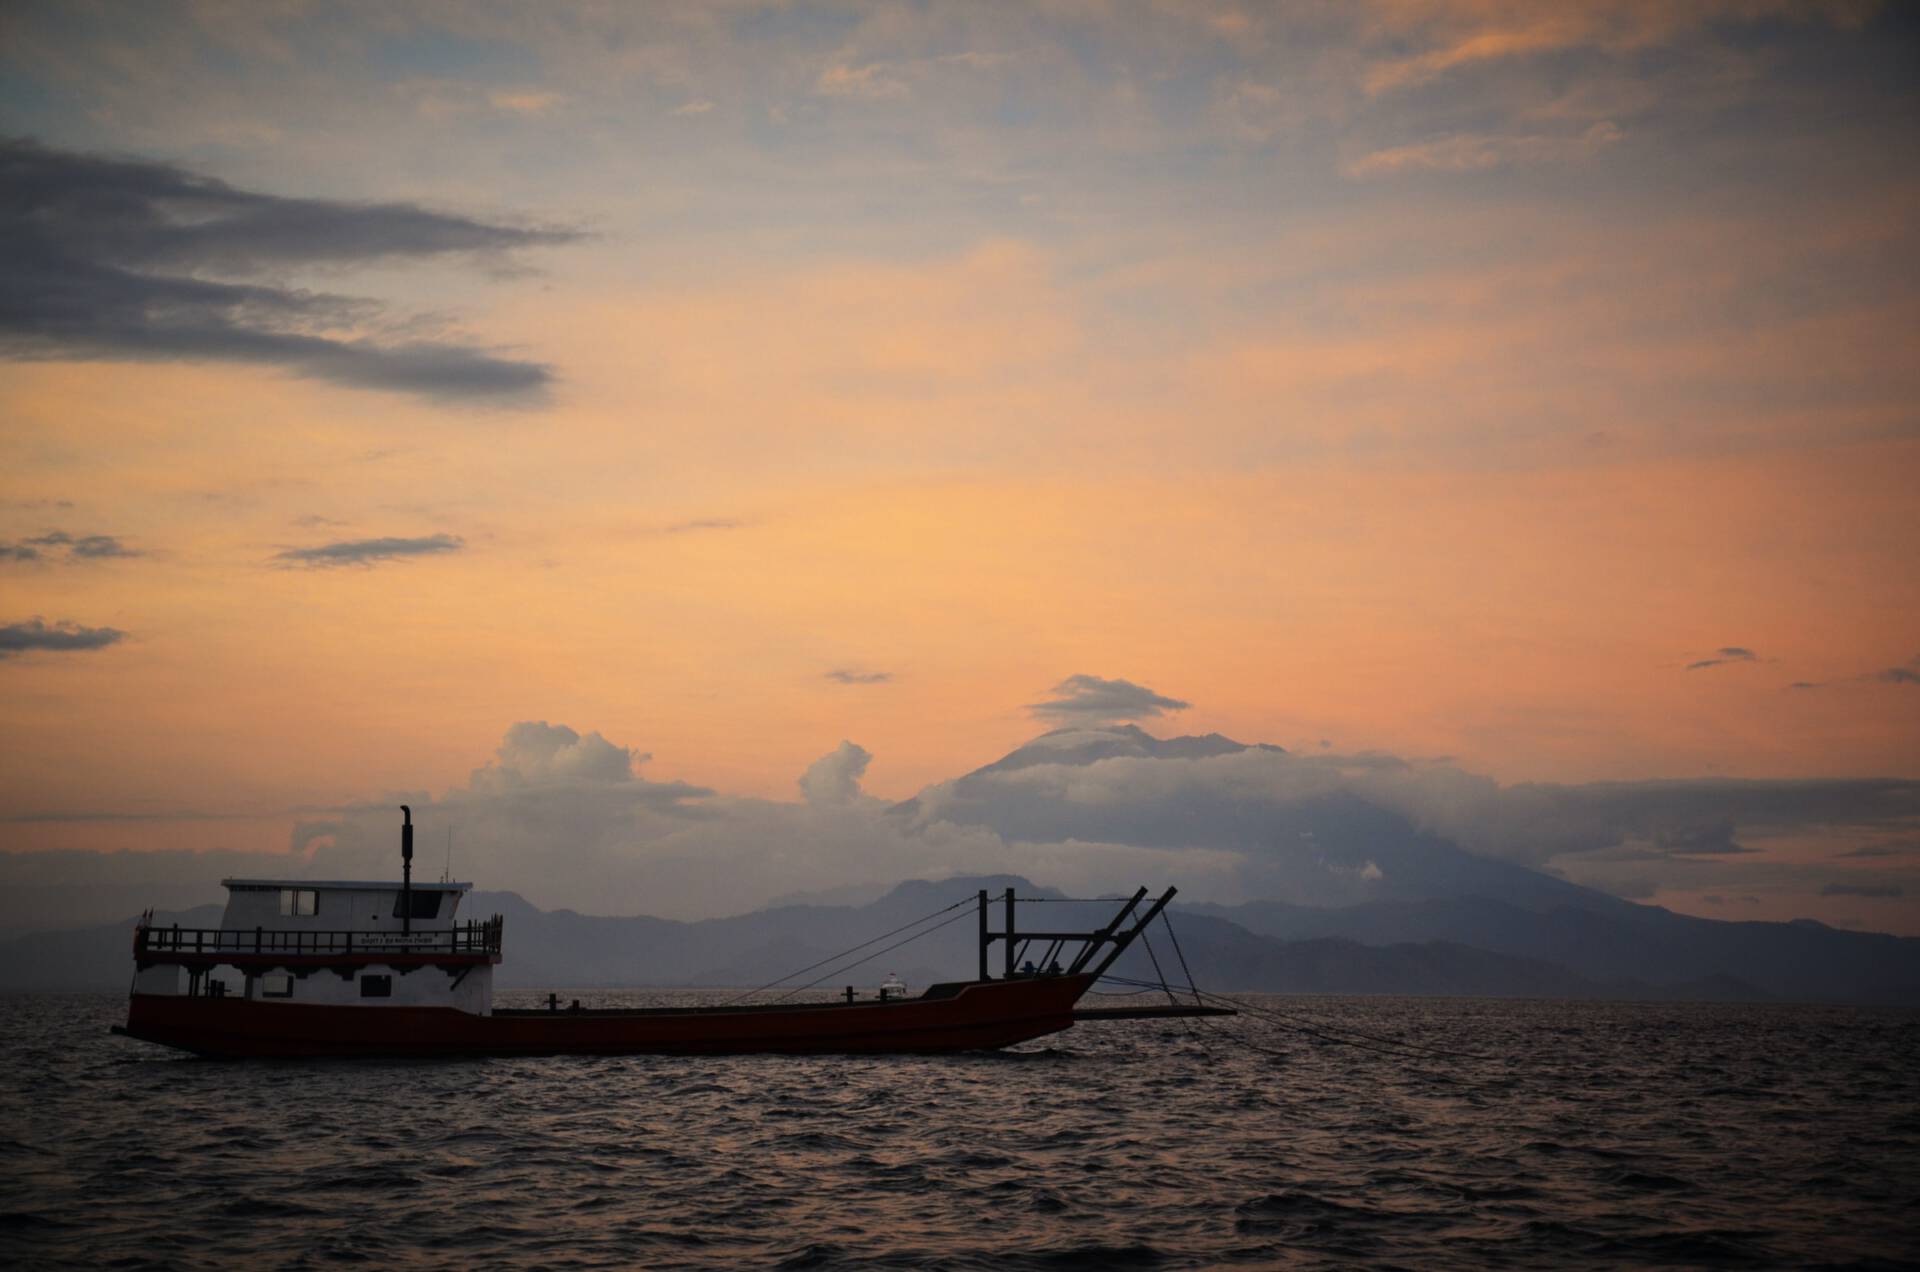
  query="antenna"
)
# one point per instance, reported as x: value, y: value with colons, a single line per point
x: 446, y: 876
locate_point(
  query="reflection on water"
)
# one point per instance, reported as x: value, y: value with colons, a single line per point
x: 1602, y: 1134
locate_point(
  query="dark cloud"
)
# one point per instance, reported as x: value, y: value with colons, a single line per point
x: 123, y: 258
x: 1877, y: 890
x: 1725, y: 654
x: 86, y: 547
x: 1907, y: 675
x: 1895, y: 849
x: 848, y: 676
x: 63, y: 637
x: 704, y: 523
x: 1713, y: 839
x: 1092, y: 699
x: 370, y: 551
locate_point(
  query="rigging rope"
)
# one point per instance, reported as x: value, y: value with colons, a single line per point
x: 1168, y: 920
x: 870, y: 957
x: 1148, y: 942
x: 855, y: 949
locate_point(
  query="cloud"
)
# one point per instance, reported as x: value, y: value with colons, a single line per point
x: 871, y: 82
x: 1478, y: 152
x: 86, y: 547
x: 849, y: 676
x: 567, y: 818
x: 1469, y: 35
x: 370, y: 551
x: 699, y: 106
x: 1301, y: 827
x: 535, y: 753
x: 701, y: 524
x: 834, y: 778
x: 1711, y: 840
x: 132, y: 259
x: 1722, y: 656
x: 1906, y: 675
x: 1894, y: 849
x: 62, y: 637
x: 1878, y: 890
x: 524, y: 101
x: 1090, y: 698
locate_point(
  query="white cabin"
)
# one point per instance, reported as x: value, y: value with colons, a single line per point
x: 328, y: 943
x: 335, y: 905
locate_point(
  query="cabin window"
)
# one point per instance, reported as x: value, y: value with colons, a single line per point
x: 376, y: 987
x: 276, y: 985
x: 299, y: 901
x: 426, y: 905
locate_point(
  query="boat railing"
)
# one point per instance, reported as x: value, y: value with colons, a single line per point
x: 472, y: 938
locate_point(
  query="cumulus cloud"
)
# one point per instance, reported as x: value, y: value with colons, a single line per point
x: 534, y: 753
x: 1091, y: 699
x: 852, y: 676
x: 1722, y: 656
x: 568, y: 818
x: 125, y: 258
x: 834, y: 778
x: 366, y: 552
x: 36, y: 635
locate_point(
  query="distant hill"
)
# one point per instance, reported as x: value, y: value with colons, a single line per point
x: 564, y: 949
x: 1802, y: 960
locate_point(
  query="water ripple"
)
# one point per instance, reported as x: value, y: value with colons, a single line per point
x: 1589, y: 1134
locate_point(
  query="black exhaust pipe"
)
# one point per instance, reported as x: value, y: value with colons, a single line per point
x: 406, y: 871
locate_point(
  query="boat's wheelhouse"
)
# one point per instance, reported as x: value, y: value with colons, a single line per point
x: 328, y: 943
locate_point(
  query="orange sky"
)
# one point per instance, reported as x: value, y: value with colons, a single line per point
x: 929, y: 360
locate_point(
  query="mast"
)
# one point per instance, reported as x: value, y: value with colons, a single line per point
x: 406, y: 871
x: 984, y: 939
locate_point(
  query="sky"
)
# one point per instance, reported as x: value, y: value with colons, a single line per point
x: 796, y: 404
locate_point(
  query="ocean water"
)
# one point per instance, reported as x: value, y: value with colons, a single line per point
x: 1553, y: 1135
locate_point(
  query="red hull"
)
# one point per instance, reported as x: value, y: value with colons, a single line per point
x: 976, y: 1016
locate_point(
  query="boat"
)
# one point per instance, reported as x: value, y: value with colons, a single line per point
x: 305, y: 969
